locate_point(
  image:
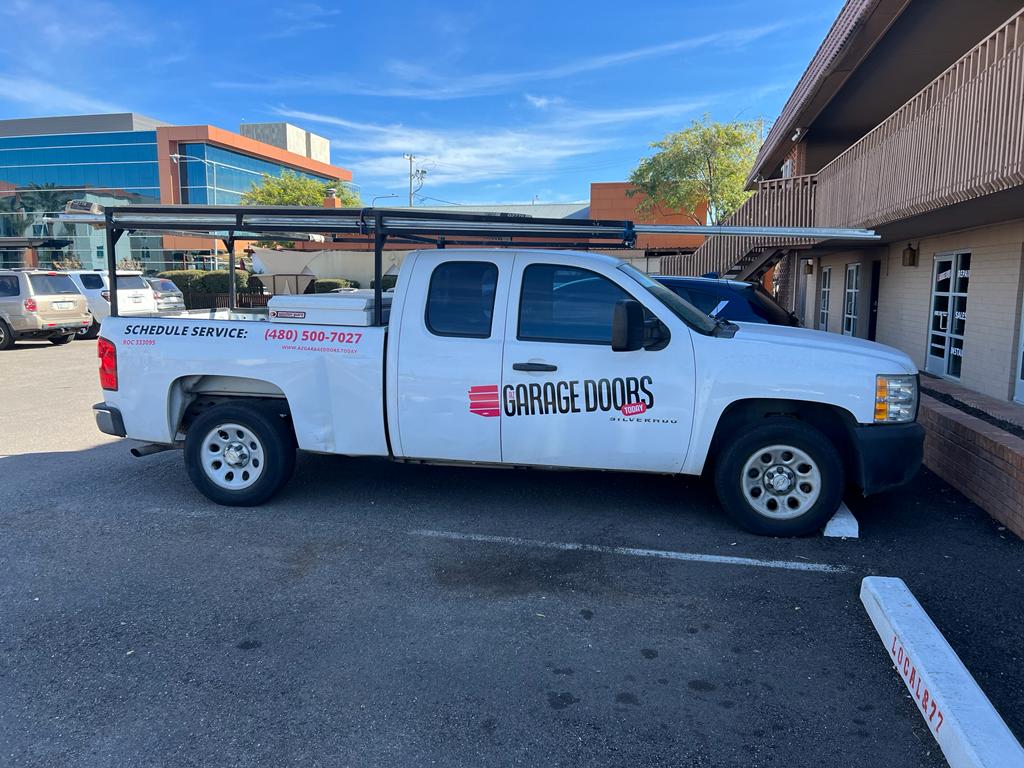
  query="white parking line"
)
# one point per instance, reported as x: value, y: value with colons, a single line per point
x: 843, y: 524
x: 790, y: 565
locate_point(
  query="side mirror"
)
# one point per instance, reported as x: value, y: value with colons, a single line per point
x: 627, y: 326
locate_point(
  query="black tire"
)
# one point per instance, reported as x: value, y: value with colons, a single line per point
x: 6, y: 337
x: 59, y: 340
x: 87, y: 334
x: 276, y: 449
x: 781, y: 477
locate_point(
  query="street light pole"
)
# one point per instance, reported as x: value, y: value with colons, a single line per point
x: 410, y: 158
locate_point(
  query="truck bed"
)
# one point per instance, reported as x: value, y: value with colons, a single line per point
x: 331, y: 375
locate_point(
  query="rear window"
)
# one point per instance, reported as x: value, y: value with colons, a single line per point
x: 164, y: 285
x: 130, y: 282
x: 51, y: 284
x: 92, y: 282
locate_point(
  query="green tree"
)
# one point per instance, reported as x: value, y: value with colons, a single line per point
x: 706, y: 162
x: 291, y: 189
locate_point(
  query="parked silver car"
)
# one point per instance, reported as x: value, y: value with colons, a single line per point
x: 169, y: 297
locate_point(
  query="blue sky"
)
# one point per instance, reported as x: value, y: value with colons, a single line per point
x: 502, y: 102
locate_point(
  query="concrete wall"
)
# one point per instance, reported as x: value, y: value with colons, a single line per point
x: 289, y: 137
x: 991, y: 340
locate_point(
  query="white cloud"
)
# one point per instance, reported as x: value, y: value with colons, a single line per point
x: 43, y: 98
x: 464, y: 155
x: 542, y: 102
x: 419, y: 82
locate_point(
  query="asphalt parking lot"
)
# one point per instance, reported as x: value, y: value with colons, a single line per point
x: 400, y: 615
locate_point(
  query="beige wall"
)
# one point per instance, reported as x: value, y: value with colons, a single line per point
x: 991, y: 341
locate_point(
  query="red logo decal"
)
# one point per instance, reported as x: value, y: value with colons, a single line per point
x: 632, y: 409
x: 483, y: 401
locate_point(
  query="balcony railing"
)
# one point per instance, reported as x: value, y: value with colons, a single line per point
x: 777, y: 203
x: 961, y: 137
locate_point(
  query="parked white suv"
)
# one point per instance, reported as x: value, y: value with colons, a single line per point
x: 134, y: 296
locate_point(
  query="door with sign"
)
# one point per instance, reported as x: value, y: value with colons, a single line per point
x: 951, y: 278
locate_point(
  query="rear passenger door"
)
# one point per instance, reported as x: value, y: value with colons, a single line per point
x: 10, y: 297
x: 449, y: 356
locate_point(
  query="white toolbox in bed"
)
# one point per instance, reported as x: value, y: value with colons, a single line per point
x: 351, y: 307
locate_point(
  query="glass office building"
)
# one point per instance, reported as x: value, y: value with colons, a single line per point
x: 210, y: 175
x: 126, y: 159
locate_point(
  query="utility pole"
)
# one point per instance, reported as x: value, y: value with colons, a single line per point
x: 410, y: 158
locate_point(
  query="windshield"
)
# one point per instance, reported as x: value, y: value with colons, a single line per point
x: 679, y: 307
x: 130, y: 282
x: 766, y: 308
x: 51, y: 284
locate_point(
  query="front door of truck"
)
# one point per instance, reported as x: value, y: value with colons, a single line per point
x: 567, y: 398
x: 449, y: 356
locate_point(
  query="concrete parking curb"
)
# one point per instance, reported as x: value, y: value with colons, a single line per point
x: 963, y: 721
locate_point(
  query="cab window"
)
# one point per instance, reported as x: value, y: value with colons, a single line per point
x: 566, y: 304
x: 92, y: 282
x: 460, y: 300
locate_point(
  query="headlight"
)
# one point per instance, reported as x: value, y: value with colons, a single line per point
x: 895, y: 399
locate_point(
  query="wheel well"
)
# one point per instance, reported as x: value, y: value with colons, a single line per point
x: 191, y: 395
x: 835, y: 423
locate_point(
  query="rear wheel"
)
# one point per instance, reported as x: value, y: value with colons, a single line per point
x: 239, y: 454
x: 58, y: 340
x: 6, y: 337
x: 88, y: 333
x: 780, y: 478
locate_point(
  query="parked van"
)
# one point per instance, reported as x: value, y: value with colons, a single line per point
x: 134, y: 296
x: 37, y: 304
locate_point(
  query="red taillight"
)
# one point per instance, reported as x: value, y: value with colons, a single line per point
x: 157, y: 295
x: 30, y: 305
x: 107, y: 353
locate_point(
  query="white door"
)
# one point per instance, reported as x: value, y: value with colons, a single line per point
x: 567, y: 398
x: 951, y: 278
x: 851, y: 298
x: 449, y: 356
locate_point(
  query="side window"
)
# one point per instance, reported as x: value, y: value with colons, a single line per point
x: 567, y: 304
x: 92, y: 282
x: 460, y: 300
x: 9, y: 286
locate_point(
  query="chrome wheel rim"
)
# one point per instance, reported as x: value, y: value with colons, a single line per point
x: 781, y: 481
x: 232, y: 456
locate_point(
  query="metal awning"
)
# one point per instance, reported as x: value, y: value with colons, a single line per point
x: 377, y: 225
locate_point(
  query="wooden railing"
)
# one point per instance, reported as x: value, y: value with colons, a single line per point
x: 961, y: 137
x: 777, y: 203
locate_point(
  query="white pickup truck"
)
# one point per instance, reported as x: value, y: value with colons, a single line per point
x: 528, y: 358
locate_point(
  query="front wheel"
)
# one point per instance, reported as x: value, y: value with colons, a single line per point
x: 781, y: 478
x: 239, y: 455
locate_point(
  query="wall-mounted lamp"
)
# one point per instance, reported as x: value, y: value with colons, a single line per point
x: 910, y: 256
x: 796, y: 135
x: 809, y: 267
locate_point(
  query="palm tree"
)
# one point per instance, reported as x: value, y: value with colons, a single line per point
x: 46, y: 198
x: 12, y: 216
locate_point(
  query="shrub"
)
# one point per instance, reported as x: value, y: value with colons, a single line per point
x: 202, y: 281
x: 187, y: 280
x: 328, y: 284
x: 216, y: 281
x: 387, y: 282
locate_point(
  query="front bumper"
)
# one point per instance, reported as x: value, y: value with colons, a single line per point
x: 108, y: 419
x: 887, y: 455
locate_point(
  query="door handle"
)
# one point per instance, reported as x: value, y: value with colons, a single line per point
x: 534, y: 367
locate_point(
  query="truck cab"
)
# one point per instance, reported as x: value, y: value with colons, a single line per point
x: 527, y: 358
